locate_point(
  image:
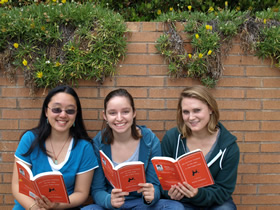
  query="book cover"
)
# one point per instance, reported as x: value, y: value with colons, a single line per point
x: 125, y: 176
x: 49, y: 184
x: 190, y: 167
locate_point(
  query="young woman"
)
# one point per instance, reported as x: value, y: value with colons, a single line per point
x: 198, y: 127
x: 59, y: 143
x: 123, y: 141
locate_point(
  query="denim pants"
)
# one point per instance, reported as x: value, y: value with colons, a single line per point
x: 138, y: 204
x: 228, y: 205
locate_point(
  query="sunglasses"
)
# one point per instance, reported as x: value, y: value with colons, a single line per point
x: 59, y: 110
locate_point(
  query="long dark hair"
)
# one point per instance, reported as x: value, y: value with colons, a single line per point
x: 107, y: 133
x: 43, y: 130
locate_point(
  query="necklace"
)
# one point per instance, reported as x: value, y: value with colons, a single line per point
x: 55, y: 157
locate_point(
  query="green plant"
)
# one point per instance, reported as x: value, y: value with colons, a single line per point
x: 211, y: 35
x: 61, y: 43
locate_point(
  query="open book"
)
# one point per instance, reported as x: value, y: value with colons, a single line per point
x: 190, y: 167
x: 125, y: 176
x: 49, y: 184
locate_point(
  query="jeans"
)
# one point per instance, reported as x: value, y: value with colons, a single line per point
x: 138, y: 204
x: 228, y: 205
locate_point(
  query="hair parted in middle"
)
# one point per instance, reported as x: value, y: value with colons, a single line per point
x: 107, y: 133
x: 203, y: 94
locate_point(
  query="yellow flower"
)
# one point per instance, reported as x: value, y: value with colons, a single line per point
x: 226, y: 3
x: 159, y: 12
x: 264, y: 21
x: 171, y: 9
x: 54, y: 0
x: 237, y: 8
x: 210, y: 28
x: 190, y: 8
x: 39, y: 74
x: 207, y: 27
x: 190, y: 55
x: 43, y: 28
x: 24, y: 62
x: 209, y: 52
x: 196, y: 36
x: 211, y: 9
x: 3, y: 30
x: 15, y: 45
x: 5, y: 1
x: 32, y: 25
x: 63, y: 1
x: 57, y: 64
x: 200, y: 55
x: 2, y: 2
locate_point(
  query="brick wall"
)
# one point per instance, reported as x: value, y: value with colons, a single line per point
x: 248, y: 96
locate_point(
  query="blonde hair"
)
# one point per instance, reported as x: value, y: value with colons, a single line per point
x: 203, y: 94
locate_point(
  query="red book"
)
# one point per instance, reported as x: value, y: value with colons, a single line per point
x: 125, y: 176
x: 49, y: 184
x: 190, y: 167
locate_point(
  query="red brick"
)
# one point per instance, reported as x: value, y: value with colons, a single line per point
x: 7, y: 156
x: 9, y: 124
x: 152, y: 48
x: 247, y: 148
x: 266, y: 199
x: 181, y: 82
x: 263, y: 93
x: 28, y: 124
x: 271, y: 104
x: 162, y: 115
x: 137, y: 48
x: 5, y: 188
x: 262, y: 71
x: 251, y: 60
x: 132, y: 70
x: 33, y: 103
x: 231, y: 115
x: 21, y: 114
x: 133, y: 26
x: 269, y: 189
x: 239, y: 104
x: 272, y: 83
x: 90, y: 114
x: 240, y: 82
x: 143, y: 36
x: 228, y: 93
x: 233, y: 71
x: 242, y: 126
x: 11, y: 135
x: 270, y: 126
x: 261, y: 158
x: 245, y: 189
x: 165, y: 93
x: 143, y: 59
x: 91, y: 103
x: 270, y: 147
x: 261, y: 136
x: 153, y: 125
x: 149, y: 26
x: 232, y: 60
x: 7, y: 178
x: 262, y: 115
x: 140, y: 81
x: 160, y: 70
x: 149, y: 104
x: 270, y: 168
x: 248, y: 168
x: 7, y: 103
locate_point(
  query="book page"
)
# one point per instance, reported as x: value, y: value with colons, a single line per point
x: 195, y: 170
x: 108, y: 170
x: 130, y: 176
x: 26, y: 185
x: 167, y: 172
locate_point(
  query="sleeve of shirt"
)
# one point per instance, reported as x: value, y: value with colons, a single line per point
x: 24, y: 145
x: 89, y: 160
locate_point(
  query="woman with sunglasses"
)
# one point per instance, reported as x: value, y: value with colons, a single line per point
x: 59, y: 143
x: 124, y: 141
x: 198, y: 127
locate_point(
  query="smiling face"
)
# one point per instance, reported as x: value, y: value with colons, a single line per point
x: 61, y: 122
x: 196, y: 114
x: 119, y: 114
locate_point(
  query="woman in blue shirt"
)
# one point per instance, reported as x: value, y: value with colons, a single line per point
x: 59, y: 143
x: 123, y: 141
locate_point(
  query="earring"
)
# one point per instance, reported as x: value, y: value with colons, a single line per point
x: 47, y: 121
x: 73, y: 125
